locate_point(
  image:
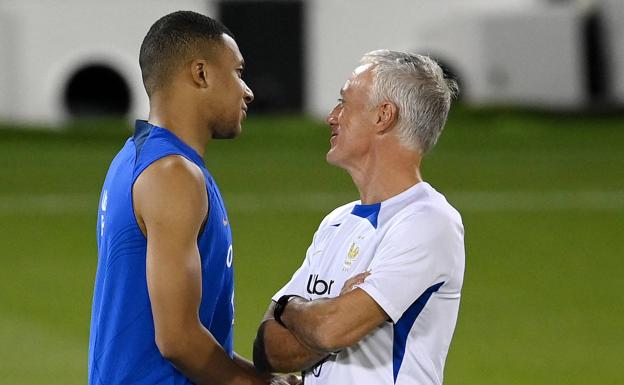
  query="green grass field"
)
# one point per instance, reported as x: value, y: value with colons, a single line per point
x: 542, y: 198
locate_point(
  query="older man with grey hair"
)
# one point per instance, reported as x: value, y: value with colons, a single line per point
x: 397, y: 253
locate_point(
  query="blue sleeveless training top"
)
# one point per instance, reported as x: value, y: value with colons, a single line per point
x: 122, y: 347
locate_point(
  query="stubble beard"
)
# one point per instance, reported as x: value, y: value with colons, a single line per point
x: 227, y: 130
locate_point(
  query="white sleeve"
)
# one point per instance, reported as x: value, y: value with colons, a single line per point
x: 417, y: 255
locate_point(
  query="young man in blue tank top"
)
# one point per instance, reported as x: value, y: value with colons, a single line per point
x: 164, y: 293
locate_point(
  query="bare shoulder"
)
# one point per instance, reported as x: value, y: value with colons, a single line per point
x: 170, y: 188
x: 172, y: 168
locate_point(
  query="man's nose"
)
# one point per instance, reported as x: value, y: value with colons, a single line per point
x: 332, y: 118
x: 249, y: 96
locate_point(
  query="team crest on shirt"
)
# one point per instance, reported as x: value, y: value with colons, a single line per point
x: 352, y: 255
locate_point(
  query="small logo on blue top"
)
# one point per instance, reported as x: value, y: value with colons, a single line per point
x: 104, y: 200
x: 230, y: 257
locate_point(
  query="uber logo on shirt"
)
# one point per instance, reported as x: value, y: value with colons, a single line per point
x: 318, y: 286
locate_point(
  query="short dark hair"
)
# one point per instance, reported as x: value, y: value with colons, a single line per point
x: 172, y: 40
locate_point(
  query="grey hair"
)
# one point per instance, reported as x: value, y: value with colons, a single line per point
x: 417, y: 86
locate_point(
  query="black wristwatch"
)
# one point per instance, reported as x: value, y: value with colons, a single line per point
x: 280, y: 306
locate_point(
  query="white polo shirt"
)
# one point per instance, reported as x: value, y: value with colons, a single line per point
x: 413, y: 243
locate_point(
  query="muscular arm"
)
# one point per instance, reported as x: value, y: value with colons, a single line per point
x: 277, y: 349
x: 249, y: 367
x: 171, y: 205
x: 328, y: 325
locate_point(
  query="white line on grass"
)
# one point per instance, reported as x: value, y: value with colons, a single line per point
x: 48, y: 203
x: 525, y: 201
x: 537, y: 200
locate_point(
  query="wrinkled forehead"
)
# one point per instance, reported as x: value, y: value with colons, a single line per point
x: 360, y: 77
x: 363, y: 69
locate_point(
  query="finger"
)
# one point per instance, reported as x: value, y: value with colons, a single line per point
x: 294, y: 380
x: 350, y: 285
x: 288, y: 379
x: 353, y: 281
x: 358, y: 278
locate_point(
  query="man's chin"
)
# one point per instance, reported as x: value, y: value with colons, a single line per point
x: 332, y: 159
x: 227, y: 134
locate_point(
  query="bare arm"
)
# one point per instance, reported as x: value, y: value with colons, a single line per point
x: 171, y: 205
x: 285, y: 379
x: 328, y: 325
x: 277, y: 349
x: 249, y: 367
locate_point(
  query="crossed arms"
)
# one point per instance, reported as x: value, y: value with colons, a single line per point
x: 315, y: 329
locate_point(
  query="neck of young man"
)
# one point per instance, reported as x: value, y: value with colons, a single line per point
x: 184, y: 123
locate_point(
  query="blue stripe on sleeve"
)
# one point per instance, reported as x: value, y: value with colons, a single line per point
x: 403, y: 326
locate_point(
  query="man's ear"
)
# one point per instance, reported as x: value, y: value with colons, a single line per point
x: 199, y: 72
x: 387, y: 116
